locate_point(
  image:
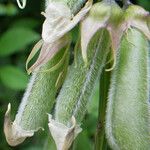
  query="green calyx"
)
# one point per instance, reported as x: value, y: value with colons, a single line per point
x: 117, y: 17
x: 100, y: 10
x: 135, y: 12
x: 117, y: 21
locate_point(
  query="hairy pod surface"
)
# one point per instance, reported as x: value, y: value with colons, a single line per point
x: 80, y: 81
x: 76, y: 91
x: 37, y: 101
x: 128, y: 113
x: 42, y: 93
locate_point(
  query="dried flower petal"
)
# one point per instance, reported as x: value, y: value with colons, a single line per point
x: 59, y: 20
x: 13, y: 132
x: 98, y: 17
x: 48, y: 51
x: 63, y: 135
x: 35, y: 49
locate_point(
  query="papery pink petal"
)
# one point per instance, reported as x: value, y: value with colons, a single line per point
x: 62, y: 134
x: 13, y: 132
x: 89, y: 27
x: 116, y: 33
x: 137, y: 17
x: 142, y: 26
x: 97, y: 19
x: 35, y: 49
x: 48, y: 51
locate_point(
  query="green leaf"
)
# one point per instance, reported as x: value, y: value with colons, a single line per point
x: 9, y: 9
x: 144, y: 3
x: 26, y: 23
x: 82, y: 142
x: 33, y: 148
x: 13, y: 77
x: 16, y: 39
x: 2, y: 9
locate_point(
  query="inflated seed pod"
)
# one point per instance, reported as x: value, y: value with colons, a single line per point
x: 128, y: 111
x: 76, y: 91
x: 80, y: 80
x: 37, y: 101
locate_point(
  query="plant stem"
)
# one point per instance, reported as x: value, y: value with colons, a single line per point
x: 100, y: 141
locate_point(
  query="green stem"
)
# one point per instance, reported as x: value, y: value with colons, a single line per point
x: 100, y: 141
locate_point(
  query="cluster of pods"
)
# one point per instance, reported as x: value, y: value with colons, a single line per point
x: 108, y: 33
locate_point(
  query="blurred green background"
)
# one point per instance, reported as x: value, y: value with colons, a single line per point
x: 19, y: 31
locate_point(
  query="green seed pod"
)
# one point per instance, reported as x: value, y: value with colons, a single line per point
x: 128, y: 112
x: 80, y: 80
x: 76, y: 91
x: 37, y: 100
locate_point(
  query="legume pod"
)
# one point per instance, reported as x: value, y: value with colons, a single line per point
x: 77, y: 89
x: 37, y: 100
x: 128, y: 112
x: 78, y: 86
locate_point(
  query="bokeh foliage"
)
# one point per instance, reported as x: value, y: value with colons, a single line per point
x: 19, y: 31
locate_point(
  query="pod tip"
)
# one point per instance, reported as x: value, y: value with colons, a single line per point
x: 14, y: 133
x: 62, y: 134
